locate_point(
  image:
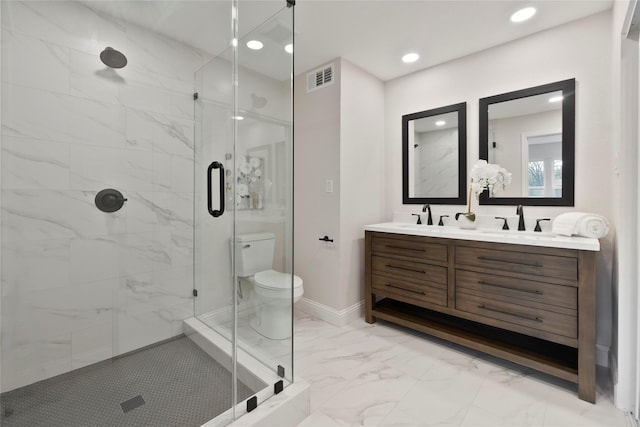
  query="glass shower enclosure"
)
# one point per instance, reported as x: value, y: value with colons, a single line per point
x: 141, y: 144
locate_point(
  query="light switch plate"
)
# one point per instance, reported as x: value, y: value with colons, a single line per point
x: 328, y: 186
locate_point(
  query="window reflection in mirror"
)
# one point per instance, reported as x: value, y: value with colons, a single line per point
x: 530, y: 132
x: 526, y: 139
x: 542, y: 165
x: 434, y: 155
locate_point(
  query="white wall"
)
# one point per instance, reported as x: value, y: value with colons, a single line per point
x: 361, y: 172
x: 317, y: 213
x: 0, y: 202
x: 625, y: 109
x: 580, y: 50
x: 338, y: 136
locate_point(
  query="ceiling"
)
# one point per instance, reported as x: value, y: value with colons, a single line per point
x: 375, y: 34
x: 372, y: 34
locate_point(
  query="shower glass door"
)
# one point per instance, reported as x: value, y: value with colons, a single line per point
x: 243, y: 159
x: 264, y: 165
x: 213, y: 160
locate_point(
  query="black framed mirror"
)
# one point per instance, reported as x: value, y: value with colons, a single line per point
x: 531, y: 133
x: 434, y: 156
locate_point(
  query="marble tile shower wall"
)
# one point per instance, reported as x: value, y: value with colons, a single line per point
x: 437, y: 157
x: 80, y: 285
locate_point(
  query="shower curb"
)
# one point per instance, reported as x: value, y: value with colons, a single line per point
x: 286, y: 409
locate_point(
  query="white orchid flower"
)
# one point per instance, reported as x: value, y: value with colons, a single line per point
x: 242, y: 190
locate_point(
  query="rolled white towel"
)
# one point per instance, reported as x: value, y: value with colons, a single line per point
x: 594, y: 226
x: 566, y: 224
x: 580, y: 224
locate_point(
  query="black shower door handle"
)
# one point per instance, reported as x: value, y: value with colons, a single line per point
x: 212, y: 212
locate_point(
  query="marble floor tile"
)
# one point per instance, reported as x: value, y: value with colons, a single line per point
x: 386, y: 375
x: 318, y: 419
x: 369, y: 398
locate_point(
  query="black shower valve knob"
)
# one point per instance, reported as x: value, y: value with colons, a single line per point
x: 109, y: 200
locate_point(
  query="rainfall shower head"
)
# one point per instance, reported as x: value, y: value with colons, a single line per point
x: 113, y: 58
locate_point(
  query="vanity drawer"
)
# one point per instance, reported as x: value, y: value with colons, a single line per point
x: 508, y: 314
x: 410, y: 248
x: 519, y: 262
x: 392, y: 267
x: 529, y: 290
x: 433, y: 293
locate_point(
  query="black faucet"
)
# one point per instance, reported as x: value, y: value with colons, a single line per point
x: 505, y: 225
x: 520, y: 213
x: 426, y: 208
x: 441, y: 224
x: 538, y: 223
x: 419, y: 221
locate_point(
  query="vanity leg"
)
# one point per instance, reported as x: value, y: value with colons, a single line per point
x: 368, y: 316
x: 587, y: 326
x: 369, y: 297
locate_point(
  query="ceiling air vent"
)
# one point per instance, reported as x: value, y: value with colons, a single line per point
x: 320, y: 78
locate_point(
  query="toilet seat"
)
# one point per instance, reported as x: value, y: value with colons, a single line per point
x: 276, y: 280
x: 274, y: 284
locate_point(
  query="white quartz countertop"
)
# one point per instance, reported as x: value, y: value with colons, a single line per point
x: 528, y: 238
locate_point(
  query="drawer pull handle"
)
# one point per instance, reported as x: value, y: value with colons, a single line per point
x: 404, y: 268
x: 405, y: 249
x: 529, y: 291
x: 534, y: 319
x: 530, y: 264
x: 404, y: 289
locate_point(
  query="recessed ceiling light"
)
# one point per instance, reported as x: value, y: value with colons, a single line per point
x: 289, y: 48
x: 254, y: 44
x: 441, y: 123
x: 556, y: 99
x: 410, y: 57
x: 234, y: 42
x: 237, y: 118
x: 523, y: 14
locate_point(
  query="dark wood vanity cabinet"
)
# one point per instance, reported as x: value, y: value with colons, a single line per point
x: 528, y: 304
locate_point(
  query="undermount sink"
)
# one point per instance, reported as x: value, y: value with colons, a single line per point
x: 515, y: 233
x: 431, y: 228
x: 529, y: 237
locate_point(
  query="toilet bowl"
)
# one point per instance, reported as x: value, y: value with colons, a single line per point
x: 274, y: 297
x: 274, y: 291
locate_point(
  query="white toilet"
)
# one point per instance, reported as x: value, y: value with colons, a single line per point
x: 254, y: 261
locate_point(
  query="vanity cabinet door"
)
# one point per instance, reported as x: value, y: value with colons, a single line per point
x: 410, y: 248
x: 418, y: 293
x: 526, y: 292
x: 409, y: 269
x: 529, y: 290
x: 417, y: 271
x: 534, y: 264
x: 548, y: 322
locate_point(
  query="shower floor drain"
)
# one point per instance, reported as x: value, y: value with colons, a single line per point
x: 131, y: 404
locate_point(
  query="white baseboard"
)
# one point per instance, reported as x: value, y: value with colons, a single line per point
x: 331, y: 315
x: 630, y: 419
x: 602, y: 355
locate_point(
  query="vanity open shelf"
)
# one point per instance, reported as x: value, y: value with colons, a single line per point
x: 532, y: 305
x: 545, y: 356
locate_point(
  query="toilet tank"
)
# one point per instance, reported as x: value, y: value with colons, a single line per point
x: 254, y: 253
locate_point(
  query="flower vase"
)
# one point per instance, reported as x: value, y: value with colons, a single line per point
x: 466, y: 221
x: 244, y: 202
